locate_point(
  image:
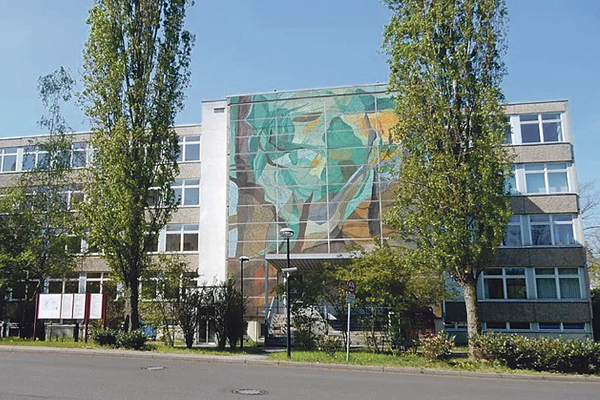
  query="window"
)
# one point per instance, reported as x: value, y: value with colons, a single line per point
x: 71, y: 196
x: 562, y: 326
x: 510, y: 184
x: 546, y: 178
x: 520, y: 326
x: 29, y: 158
x: 8, y: 159
x: 79, y: 157
x: 182, y: 238
x: 505, y: 283
x: 541, y: 128
x: 187, y: 192
x: 496, y: 326
x: 551, y: 230
x: 557, y: 283
x: 508, y: 132
x: 189, y: 148
x: 514, y: 235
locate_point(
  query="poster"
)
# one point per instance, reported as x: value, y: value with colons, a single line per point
x: 78, y: 306
x: 49, y: 306
x: 66, y: 311
x: 96, y: 306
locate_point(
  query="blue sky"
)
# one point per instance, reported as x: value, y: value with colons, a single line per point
x: 260, y: 45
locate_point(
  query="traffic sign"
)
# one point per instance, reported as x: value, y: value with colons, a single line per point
x: 350, y: 298
x: 351, y: 286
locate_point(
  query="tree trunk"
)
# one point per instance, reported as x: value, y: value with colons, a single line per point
x: 469, y: 289
x: 131, y: 306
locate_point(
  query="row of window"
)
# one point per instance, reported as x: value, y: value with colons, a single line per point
x: 548, y: 283
x: 90, y: 282
x: 541, y: 230
x: 521, y: 326
x: 536, y: 128
x: 19, y: 159
x: 539, y: 178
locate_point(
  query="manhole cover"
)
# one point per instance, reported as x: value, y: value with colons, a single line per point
x: 250, y: 392
x: 154, y: 368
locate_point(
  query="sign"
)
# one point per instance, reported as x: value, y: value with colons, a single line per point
x: 79, y: 306
x: 351, y: 286
x: 96, y: 306
x: 350, y: 298
x: 66, y: 311
x: 49, y: 306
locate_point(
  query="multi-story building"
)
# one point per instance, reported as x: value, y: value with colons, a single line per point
x: 315, y: 161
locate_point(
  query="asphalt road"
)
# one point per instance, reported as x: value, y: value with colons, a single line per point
x: 63, y: 376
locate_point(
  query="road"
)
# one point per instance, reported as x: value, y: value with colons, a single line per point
x: 63, y: 376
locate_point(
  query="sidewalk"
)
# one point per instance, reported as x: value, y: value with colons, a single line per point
x: 262, y: 359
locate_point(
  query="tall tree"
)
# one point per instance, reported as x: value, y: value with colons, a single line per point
x: 136, y: 64
x: 36, y: 234
x: 445, y: 74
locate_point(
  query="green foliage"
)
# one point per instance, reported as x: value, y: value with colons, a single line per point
x: 330, y: 345
x: 446, y: 71
x: 545, y: 354
x: 304, y: 329
x: 135, y: 340
x: 229, y: 308
x: 36, y: 225
x: 438, y: 346
x: 136, y: 68
x: 106, y: 337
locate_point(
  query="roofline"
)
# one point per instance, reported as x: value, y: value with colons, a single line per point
x: 308, y: 89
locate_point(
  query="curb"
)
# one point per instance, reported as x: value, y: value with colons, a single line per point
x: 263, y: 361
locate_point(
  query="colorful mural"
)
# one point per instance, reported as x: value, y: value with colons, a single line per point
x: 311, y: 161
x: 307, y: 160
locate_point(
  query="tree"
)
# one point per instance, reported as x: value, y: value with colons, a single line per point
x: 136, y: 62
x: 37, y: 227
x: 445, y: 74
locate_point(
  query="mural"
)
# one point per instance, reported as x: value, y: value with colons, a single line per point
x: 311, y: 161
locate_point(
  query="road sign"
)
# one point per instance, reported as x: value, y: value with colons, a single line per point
x: 350, y: 298
x: 351, y: 286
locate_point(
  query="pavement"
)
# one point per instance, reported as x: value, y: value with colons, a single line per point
x: 262, y: 359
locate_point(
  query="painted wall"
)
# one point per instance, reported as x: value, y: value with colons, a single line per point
x: 313, y: 161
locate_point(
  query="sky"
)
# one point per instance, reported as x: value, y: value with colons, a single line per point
x: 253, y: 46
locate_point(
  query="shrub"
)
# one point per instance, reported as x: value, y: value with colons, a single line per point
x: 135, y: 340
x: 438, y: 346
x: 330, y: 344
x: 106, y: 337
x: 546, y: 354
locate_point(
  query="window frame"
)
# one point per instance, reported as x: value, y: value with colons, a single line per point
x: 185, y: 184
x: 546, y: 170
x: 184, y: 142
x: 505, y: 277
x: 184, y: 229
x: 556, y: 275
x: 552, y: 223
x: 540, y: 122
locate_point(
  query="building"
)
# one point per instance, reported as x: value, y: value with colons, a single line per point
x: 315, y: 161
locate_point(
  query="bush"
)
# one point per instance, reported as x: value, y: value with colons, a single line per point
x: 135, y: 340
x: 546, y: 354
x: 330, y: 344
x: 438, y: 346
x: 106, y: 337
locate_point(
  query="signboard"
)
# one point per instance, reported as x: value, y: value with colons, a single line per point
x: 351, y: 286
x: 350, y: 298
x: 49, y: 306
x: 96, y: 306
x: 78, y: 306
x: 66, y: 311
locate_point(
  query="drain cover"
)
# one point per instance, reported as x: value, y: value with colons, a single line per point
x: 250, y: 392
x: 154, y: 368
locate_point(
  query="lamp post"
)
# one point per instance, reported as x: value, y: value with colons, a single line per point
x: 287, y: 233
x: 243, y: 259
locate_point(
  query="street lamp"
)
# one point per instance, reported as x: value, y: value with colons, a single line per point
x: 243, y: 259
x: 287, y: 233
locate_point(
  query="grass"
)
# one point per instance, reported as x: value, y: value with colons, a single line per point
x: 407, y: 360
x: 55, y: 342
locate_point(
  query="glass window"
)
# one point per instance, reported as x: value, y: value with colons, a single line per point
x: 189, y: 148
x: 549, y: 325
x: 8, y: 156
x: 505, y: 283
x: 495, y: 325
x: 79, y: 155
x: 552, y: 230
x: 546, y: 178
x: 519, y: 325
x: 182, y: 238
x: 540, y: 230
x: 510, y: 184
x: 557, y: 283
x: 187, y: 192
x: 542, y: 128
x: 513, y: 232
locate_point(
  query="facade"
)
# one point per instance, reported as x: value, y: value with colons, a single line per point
x: 316, y: 161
